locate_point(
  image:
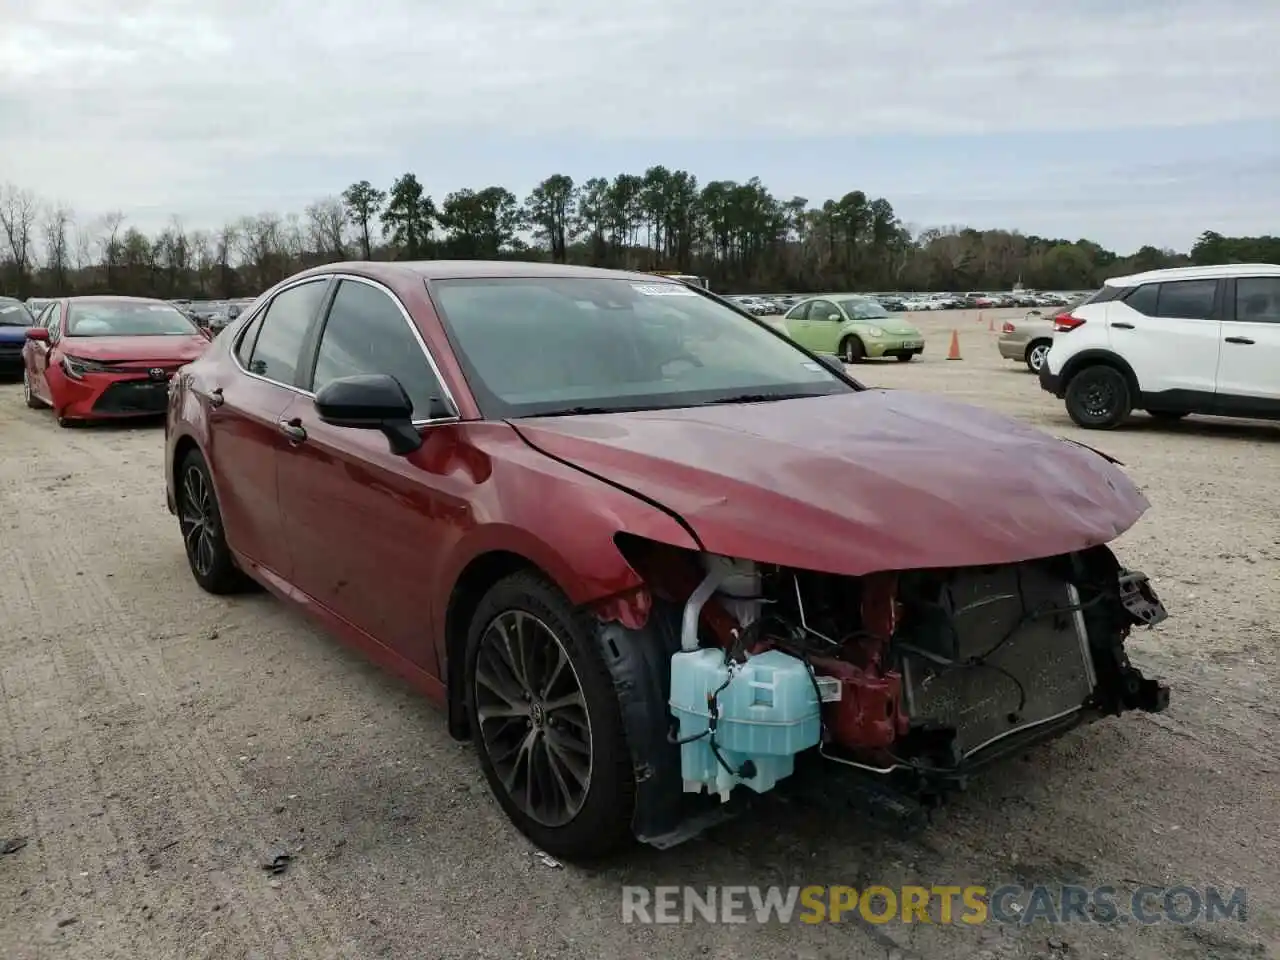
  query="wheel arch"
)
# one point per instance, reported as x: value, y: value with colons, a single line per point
x: 1104, y: 358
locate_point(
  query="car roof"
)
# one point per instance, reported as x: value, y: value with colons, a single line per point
x: 1197, y: 273
x: 111, y: 298
x: 481, y: 269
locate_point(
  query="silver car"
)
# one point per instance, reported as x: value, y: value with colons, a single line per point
x: 1028, y: 339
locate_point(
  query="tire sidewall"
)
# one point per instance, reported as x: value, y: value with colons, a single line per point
x: 224, y: 575
x: 603, y: 822
x: 1040, y: 349
x: 852, y: 349
x: 1118, y: 411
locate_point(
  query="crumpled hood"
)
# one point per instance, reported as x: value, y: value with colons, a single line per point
x: 158, y: 349
x: 854, y: 483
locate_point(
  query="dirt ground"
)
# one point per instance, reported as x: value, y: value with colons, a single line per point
x: 158, y: 745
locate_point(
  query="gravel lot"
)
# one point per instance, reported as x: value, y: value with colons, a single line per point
x: 157, y: 744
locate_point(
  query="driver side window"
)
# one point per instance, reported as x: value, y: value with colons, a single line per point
x: 798, y: 312
x: 823, y: 310
x: 366, y: 332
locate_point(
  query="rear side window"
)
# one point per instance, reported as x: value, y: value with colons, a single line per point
x: 283, y: 328
x: 1258, y: 299
x: 1103, y: 295
x: 1144, y: 299
x: 1187, y: 299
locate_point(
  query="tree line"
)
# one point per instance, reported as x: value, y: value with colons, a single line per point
x: 738, y: 235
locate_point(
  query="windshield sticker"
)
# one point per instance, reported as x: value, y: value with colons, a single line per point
x: 810, y: 365
x: 662, y: 290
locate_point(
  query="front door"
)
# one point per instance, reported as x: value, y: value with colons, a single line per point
x: 368, y: 528
x: 38, y: 352
x: 1249, y: 361
x: 822, y: 327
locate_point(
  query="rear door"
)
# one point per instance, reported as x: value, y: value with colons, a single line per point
x: 1249, y: 359
x: 1170, y: 335
x: 245, y: 411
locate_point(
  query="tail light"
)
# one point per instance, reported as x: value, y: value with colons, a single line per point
x: 1065, y: 323
x: 1008, y: 327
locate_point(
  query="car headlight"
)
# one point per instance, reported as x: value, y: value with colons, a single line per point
x: 874, y: 332
x: 76, y: 367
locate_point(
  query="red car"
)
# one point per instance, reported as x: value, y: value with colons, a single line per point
x: 100, y: 358
x: 647, y: 552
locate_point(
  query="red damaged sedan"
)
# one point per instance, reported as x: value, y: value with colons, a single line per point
x: 99, y: 358
x: 649, y: 554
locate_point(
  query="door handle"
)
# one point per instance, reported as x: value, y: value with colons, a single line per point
x: 293, y: 429
x: 215, y: 397
x: 1123, y: 326
x: 1244, y: 340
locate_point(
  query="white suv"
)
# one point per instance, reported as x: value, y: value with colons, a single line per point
x: 1171, y: 342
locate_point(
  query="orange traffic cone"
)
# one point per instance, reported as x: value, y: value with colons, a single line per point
x: 954, y: 352
x: 991, y: 324
x: 979, y: 316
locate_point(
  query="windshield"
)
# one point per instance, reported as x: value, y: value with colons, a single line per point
x: 123, y: 319
x: 861, y: 308
x: 572, y: 345
x: 13, y: 313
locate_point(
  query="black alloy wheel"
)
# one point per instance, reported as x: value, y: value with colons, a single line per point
x: 203, y: 537
x: 546, y: 721
x: 533, y: 718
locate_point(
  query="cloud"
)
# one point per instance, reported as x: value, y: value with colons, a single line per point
x: 212, y: 108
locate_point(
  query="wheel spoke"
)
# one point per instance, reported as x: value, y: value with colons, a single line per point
x: 532, y: 717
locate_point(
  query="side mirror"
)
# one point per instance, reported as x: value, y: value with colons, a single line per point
x: 833, y: 363
x: 40, y: 334
x: 372, y: 401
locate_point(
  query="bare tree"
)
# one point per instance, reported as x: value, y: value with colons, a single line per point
x: 202, y: 259
x: 261, y: 247
x: 225, y: 247
x: 18, y: 212
x: 109, y: 246
x: 57, y: 245
x: 83, y: 249
x: 326, y: 222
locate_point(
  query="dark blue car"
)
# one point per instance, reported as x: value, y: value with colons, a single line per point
x: 14, y: 320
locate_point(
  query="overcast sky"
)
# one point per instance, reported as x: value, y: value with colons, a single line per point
x: 1129, y: 121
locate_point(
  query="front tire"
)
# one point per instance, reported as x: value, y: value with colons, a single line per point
x: 29, y: 395
x: 546, y: 721
x: 852, y: 350
x: 203, y: 536
x: 906, y: 357
x: 1099, y: 398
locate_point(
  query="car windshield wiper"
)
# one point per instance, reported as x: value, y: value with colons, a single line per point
x: 755, y: 398
x: 574, y: 412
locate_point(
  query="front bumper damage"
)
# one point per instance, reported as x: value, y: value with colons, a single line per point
x: 911, y: 721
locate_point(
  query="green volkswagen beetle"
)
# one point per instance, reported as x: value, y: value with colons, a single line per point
x: 852, y: 326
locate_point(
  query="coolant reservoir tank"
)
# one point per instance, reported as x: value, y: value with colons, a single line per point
x: 766, y: 712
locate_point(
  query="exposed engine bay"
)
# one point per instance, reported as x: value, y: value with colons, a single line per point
x: 919, y: 675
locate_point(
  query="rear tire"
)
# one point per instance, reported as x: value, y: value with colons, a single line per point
x: 1099, y: 398
x: 203, y: 537
x: 1036, y: 355
x: 852, y: 350
x: 562, y: 773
